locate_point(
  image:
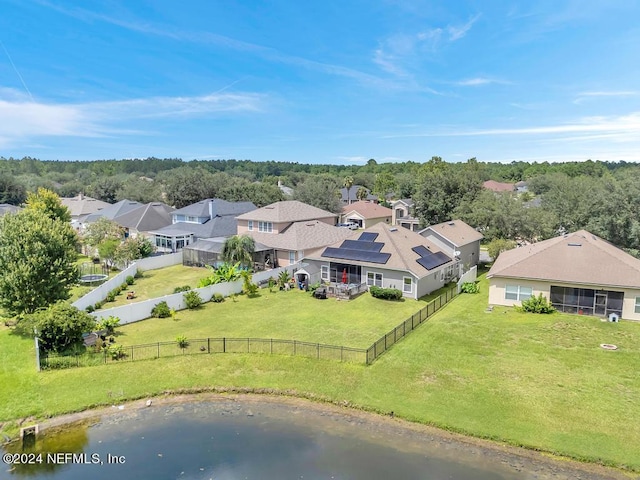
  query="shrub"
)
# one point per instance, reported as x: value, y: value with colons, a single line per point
x: 538, y: 304
x: 470, y: 287
x: 272, y: 283
x: 130, y: 280
x: 192, y: 299
x: 139, y: 274
x: 385, y: 293
x: 217, y: 298
x: 99, y: 305
x: 115, y: 351
x: 124, y: 286
x: 283, y: 279
x: 90, y: 308
x: 111, y: 297
x: 109, y: 324
x: 182, y: 341
x: 161, y: 310
x: 313, y: 287
x: 184, y: 288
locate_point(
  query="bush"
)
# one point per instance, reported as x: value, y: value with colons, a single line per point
x: 111, y: 296
x: 139, y: 274
x: 124, y: 286
x: 470, y: 287
x: 313, y: 287
x: 217, y: 298
x: 385, y: 293
x: 537, y: 304
x: 182, y: 341
x: 130, y: 280
x: 116, y: 352
x: 99, y: 305
x: 109, y: 324
x: 192, y: 299
x: 161, y: 310
x: 90, y: 308
x: 184, y: 288
x: 283, y: 279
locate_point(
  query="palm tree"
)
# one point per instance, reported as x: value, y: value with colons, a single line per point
x: 348, y: 183
x: 362, y: 193
x: 239, y: 249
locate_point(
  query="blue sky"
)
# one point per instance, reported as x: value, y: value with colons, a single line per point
x: 320, y: 81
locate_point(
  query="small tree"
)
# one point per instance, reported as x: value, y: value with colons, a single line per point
x: 109, y: 324
x: 49, y: 203
x: 348, y: 183
x: 499, y: 245
x: 193, y: 299
x: 239, y: 249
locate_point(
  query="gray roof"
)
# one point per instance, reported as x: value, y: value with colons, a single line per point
x: 218, y: 227
x: 287, y: 211
x: 83, y: 205
x: 219, y: 207
x: 352, y: 194
x: 113, y: 211
x: 147, y: 217
x: 7, y: 208
x: 215, y: 244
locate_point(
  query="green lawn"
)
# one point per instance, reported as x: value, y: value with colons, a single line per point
x: 537, y: 381
x: 156, y: 283
x: 291, y: 315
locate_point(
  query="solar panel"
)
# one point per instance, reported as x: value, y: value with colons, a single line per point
x: 421, y: 250
x: 433, y: 260
x: 360, y: 245
x: 368, y: 236
x: 360, y: 255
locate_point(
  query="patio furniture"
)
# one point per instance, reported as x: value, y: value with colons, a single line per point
x: 321, y: 292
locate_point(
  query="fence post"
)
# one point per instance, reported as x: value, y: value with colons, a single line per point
x: 224, y: 344
x: 385, y: 342
x: 158, y: 349
x: 341, y: 351
x: 208, y: 344
x: 294, y: 347
x: 271, y: 348
x: 105, y: 356
x: 318, y: 350
x: 248, y: 349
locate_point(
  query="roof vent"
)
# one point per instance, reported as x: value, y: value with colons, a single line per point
x: 574, y: 244
x: 452, y: 223
x: 393, y: 229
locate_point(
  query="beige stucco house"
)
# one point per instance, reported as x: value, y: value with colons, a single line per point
x: 291, y: 228
x: 366, y: 214
x: 579, y: 273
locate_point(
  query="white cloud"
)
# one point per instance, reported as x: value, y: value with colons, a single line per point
x: 25, y: 118
x: 477, y: 81
x: 604, y: 94
x: 457, y: 32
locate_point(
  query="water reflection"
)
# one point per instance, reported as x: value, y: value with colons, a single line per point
x: 228, y: 440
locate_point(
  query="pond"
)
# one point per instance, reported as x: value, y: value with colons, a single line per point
x: 231, y: 439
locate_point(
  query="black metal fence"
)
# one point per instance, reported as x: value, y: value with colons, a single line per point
x: 249, y: 345
x: 205, y: 346
x: 386, y: 341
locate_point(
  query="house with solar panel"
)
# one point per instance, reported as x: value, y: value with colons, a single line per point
x: 385, y: 256
x: 456, y: 238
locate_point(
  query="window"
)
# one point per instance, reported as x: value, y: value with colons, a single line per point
x: 637, y: 310
x: 517, y: 292
x: 292, y: 258
x: 266, y: 227
x: 250, y: 225
x: 374, y: 278
x: 407, y: 284
x: 324, y: 273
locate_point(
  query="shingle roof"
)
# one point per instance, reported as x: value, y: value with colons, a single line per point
x: 218, y: 227
x: 498, y: 186
x: 352, y: 193
x: 457, y: 232
x: 305, y: 235
x: 147, y: 217
x: 286, y: 211
x: 218, y: 207
x: 83, y: 205
x: 398, y: 242
x: 579, y: 257
x: 112, y: 211
x: 367, y: 209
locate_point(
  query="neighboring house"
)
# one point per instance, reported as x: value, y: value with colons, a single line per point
x: 385, y: 256
x: 7, y: 208
x: 208, y: 251
x: 366, y: 214
x: 290, y: 227
x: 113, y: 211
x: 145, y: 219
x: 81, y: 206
x: 458, y: 239
x: 212, y: 217
x: 522, y: 186
x: 578, y: 272
x: 499, y: 186
x: 403, y: 214
x: 350, y: 197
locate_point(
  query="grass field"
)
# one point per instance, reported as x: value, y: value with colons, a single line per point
x: 538, y: 381
x: 156, y: 283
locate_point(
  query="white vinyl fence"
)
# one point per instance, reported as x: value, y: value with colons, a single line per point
x: 136, y: 311
x: 470, y: 276
x: 150, y: 263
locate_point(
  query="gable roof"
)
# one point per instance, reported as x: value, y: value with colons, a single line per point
x: 146, y: 217
x: 286, y: 211
x: 224, y: 226
x: 112, y: 211
x: 399, y: 244
x: 578, y: 257
x: 215, y: 207
x: 498, y: 186
x: 83, y: 205
x: 306, y: 235
x: 367, y: 209
x: 456, y: 231
x: 406, y: 201
x: 352, y: 194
